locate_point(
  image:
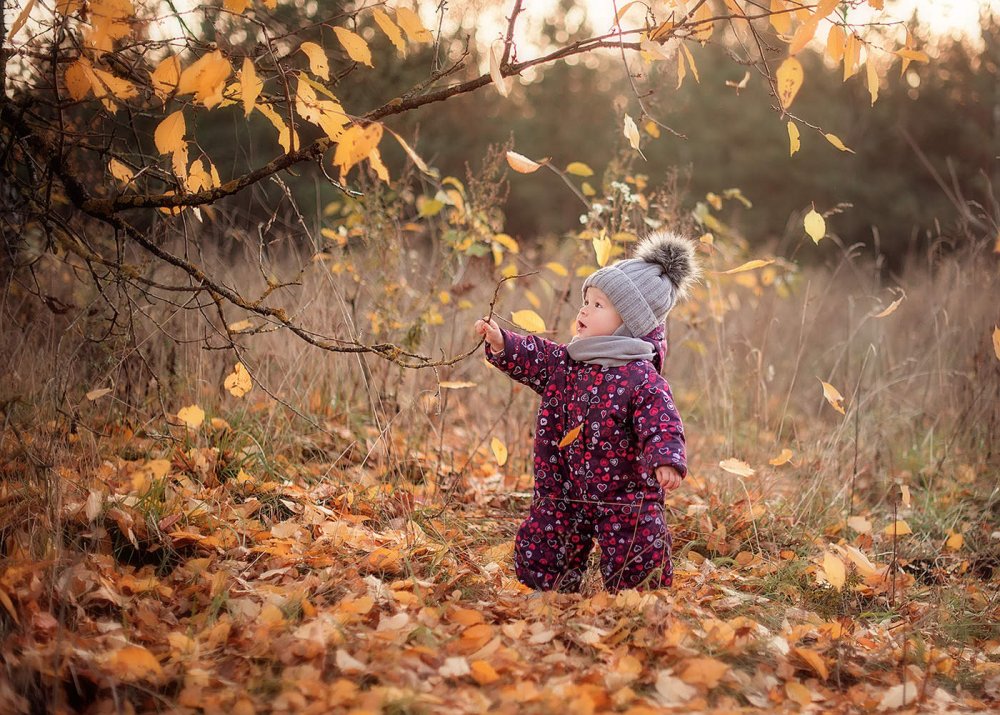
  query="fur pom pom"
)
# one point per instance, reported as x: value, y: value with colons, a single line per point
x: 675, y: 256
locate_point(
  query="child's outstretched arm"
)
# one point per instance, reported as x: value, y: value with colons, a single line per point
x: 525, y: 358
x: 660, y: 431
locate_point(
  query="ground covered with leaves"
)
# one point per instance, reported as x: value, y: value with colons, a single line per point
x: 188, y: 571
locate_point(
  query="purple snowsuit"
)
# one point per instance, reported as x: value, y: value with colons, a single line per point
x: 602, y: 484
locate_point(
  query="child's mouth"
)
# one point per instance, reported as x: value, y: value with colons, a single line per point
x: 580, y: 325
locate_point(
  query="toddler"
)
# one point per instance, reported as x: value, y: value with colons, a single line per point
x: 608, y: 440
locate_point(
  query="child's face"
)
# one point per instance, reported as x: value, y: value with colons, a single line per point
x: 597, y: 316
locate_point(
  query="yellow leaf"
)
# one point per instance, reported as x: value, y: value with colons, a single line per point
x: 872, y: 76
x: 318, y: 63
x: 327, y: 114
x: 133, y: 663
x: 814, y: 660
x: 891, y: 309
x: 482, y: 672
x: 589, y: 190
x: 631, y: 132
x: 238, y: 382
x: 285, y: 138
x: 76, y: 79
x: 507, y: 242
x: 784, y: 458
x: 500, y: 83
x: 789, y: 81
x: 955, y: 542
x: 803, y: 35
x: 570, y: 436
x: 192, y: 416
x: 354, y: 45
x: 120, y: 171
x: 602, y: 248
x: 169, y: 134
x: 860, y: 524
x: 456, y: 385
x: 794, y: 142
x: 412, y: 26
x: 375, y: 159
x: 355, y: 144
x: 798, y: 693
x: 703, y: 671
x: 996, y: 341
x: 522, y: 164
x: 240, y: 326
x: 833, y: 396
x: 651, y: 129
x: 236, y: 6
x: 780, y: 18
x: 737, y: 467
x: 206, y: 78
x: 833, y: 569
x: 702, y: 23
x: 863, y: 563
x: 852, y: 55
x: 166, y: 76
x: 578, y: 168
x: 21, y: 19
x: 898, y: 528
x: 529, y: 320
x: 499, y: 451
x: 815, y: 225
x: 250, y: 86
x: 835, y: 41
x: 390, y: 29
x: 748, y: 266
x: 560, y: 270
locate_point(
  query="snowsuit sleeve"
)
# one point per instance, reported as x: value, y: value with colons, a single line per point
x: 658, y: 425
x: 525, y: 358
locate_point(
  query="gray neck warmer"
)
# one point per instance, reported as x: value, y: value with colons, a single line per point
x: 610, y: 350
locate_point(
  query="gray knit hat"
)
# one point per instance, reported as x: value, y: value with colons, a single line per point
x: 644, y: 289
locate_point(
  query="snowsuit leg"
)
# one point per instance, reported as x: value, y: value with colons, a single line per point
x: 552, y: 546
x: 635, y: 546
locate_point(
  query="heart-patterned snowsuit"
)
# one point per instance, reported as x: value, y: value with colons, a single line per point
x: 602, y: 484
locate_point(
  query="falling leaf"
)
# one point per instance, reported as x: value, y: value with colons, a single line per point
x: 570, y: 436
x: 898, y: 528
x: 833, y: 569
x: 815, y: 225
x: 412, y: 26
x: 833, y: 396
x: 955, y: 541
x: 318, y: 63
x: 737, y: 467
x: 602, y: 249
x: 192, y: 416
x: 21, y: 19
x: 814, y: 660
x: 860, y: 524
x: 500, y: 83
x: 355, y: 46
x: 522, y: 164
x: 238, y: 382
x: 499, y: 451
x: 784, y: 458
x: 742, y: 84
x: 835, y: 140
x: 169, y: 134
x: 529, y: 320
x: 794, y: 140
x: 98, y: 393
x: 390, y: 29
x: 578, y: 168
x: 748, y: 266
x: 631, y: 132
x: 789, y: 81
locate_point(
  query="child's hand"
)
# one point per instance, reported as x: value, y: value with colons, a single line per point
x: 492, y: 333
x: 668, y: 477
